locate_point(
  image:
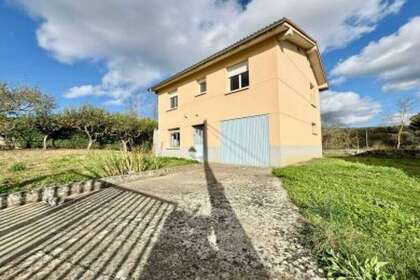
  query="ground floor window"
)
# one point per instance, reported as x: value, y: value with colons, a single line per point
x: 175, y: 138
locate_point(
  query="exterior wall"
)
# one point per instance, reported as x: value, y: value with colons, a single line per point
x: 297, y: 108
x: 218, y: 104
x: 280, y: 79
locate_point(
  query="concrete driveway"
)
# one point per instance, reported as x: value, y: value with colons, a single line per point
x: 201, y: 222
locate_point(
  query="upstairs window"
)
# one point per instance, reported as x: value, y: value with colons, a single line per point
x: 202, y: 86
x: 314, y: 129
x: 175, y: 138
x: 313, y: 99
x: 312, y: 95
x: 238, y: 76
x: 173, y: 100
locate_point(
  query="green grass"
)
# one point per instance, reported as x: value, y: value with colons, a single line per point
x: 27, y: 169
x: 18, y: 166
x: 358, y: 209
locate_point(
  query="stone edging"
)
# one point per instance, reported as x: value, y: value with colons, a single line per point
x: 54, y: 195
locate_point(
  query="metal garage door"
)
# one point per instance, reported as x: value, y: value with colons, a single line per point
x: 245, y: 141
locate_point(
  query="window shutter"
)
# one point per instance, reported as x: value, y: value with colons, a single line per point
x: 237, y: 69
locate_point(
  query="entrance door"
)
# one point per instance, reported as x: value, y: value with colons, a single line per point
x: 199, y: 142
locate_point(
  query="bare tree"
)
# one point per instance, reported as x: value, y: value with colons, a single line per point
x: 402, y: 117
x: 132, y: 105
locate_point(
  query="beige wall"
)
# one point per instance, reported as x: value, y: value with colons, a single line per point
x: 298, y: 105
x: 279, y: 86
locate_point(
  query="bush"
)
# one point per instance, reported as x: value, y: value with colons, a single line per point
x: 19, y: 166
x: 75, y: 141
x: 122, y: 163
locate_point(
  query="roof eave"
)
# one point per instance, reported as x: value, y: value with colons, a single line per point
x: 278, y: 28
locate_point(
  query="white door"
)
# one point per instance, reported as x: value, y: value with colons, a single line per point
x: 199, y: 142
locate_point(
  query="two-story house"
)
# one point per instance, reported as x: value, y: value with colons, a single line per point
x: 255, y: 102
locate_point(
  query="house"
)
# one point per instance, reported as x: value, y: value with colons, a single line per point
x: 255, y: 102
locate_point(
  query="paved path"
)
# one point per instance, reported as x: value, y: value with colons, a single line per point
x: 215, y: 222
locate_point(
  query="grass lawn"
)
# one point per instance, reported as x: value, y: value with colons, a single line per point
x: 358, y: 209
x: 25, y: 169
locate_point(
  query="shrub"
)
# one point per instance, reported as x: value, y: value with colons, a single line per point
x: 122, y: 163
x: 16, y: 167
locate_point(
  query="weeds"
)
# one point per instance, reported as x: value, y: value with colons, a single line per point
x: 342, y: 266
x: 17, y: 167
x: 43, y: 168
x: 122, y: 163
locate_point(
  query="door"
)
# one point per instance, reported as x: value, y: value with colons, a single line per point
x: 199, y: 142
x: 245, y: 141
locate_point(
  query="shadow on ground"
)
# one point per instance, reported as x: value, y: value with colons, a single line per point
x: 106, y: 234
x: 205, y: 247
x: 120, y: 233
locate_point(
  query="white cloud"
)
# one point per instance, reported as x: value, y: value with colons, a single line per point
x: 394, y: 59
x: 337, y: 81
x: 347, y: 108
x: 141, y: 41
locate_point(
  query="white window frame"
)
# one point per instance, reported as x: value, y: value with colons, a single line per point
x: 173, y: 94
x: 172, y: 140
x: 199, y: 82
x: 238, y: 70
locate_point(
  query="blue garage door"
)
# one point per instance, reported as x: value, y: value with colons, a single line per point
x: 245, y: 141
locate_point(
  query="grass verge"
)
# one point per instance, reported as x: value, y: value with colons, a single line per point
x: 363, y: 214
x: 27, y: 169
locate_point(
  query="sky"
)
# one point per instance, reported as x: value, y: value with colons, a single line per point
x: 108, y: 53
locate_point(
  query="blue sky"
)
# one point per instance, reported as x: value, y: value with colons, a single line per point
x: 105, y: 54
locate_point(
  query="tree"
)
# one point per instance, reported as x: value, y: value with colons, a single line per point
x: 18, y: 107
x: 415, y: 122
x: 48, y: 125
x: 22, y: 130
x: 19, y: 100
x: 45, y: 122
x: 129, y: 129
x: 93, y: 121
x: 402, y: 116
x: 146, y: 137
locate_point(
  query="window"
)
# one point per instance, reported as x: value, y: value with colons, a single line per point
x: 175, y: 138
x: 313, y: 99
x: 314, y: 129
x: 202, y: 86
x: 173, y: 100
x: 238, y: 76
